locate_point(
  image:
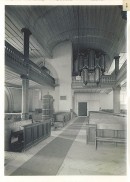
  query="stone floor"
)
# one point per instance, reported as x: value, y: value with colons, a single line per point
x: 81, y: 159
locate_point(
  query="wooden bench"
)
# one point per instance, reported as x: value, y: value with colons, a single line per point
x: 14, y: 131
x: 101, y: 129
x: 61, y: 117
x: 23, y: 134
x: 116, y: 128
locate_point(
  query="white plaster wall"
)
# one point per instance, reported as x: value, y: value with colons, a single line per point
x: 123, y: 99
x: 95, y: 101
x: 17, y: 99
x: 91, y: 99
x: 106, y: 100
x: 34, y: 99
x: 62, y: 63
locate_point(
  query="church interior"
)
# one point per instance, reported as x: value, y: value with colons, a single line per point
x: 65, y: 90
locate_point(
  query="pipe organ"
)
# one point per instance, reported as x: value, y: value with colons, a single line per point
x: 90, y: 65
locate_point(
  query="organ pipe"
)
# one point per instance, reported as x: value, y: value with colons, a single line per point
x: 81, y: 62
x: 97, y: 59
x: 91, y: 65
x: 91, y: 59
x: 86, y: 61
x: 97, y: 74
x: 85, y: 76
x: 103, y: 63
x: 76, y: 66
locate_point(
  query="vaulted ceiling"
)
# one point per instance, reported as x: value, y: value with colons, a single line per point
x: 99, y: 27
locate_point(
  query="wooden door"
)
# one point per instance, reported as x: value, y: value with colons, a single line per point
x: 82, y: 108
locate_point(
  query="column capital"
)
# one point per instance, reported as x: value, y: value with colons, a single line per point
x: 24, y: 77
x: 26, y: 31
x: 116, y: 88
x: 117, y: 57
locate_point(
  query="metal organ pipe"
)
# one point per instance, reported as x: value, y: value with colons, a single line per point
x: 86, y: 61
x: 91, y: 65
x: 76, y: 66
x: 91, y: 59
x: 97, y: 59
x: 85, y: 76
x: 81, y: 61
x: 102, y: 63
x: 97, y: 74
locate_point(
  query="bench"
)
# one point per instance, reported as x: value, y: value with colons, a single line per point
x: 61, y: 117
x: 21, y: 135
x: 14, y: 131
x: 13, y: 116
x: 117, y: 131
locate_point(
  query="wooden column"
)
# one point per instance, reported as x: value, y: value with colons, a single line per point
x: 25, y: 80
x: 25, y: 88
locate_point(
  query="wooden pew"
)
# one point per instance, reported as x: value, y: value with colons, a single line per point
x: 61, y: 117
x: 34, y: 133
x: 14, y: 131
x: 103, y: 131
x: 24, y: 134
x: 118, y: 130
x: 106, y: 118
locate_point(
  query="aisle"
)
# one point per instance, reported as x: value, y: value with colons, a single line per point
x: 84, y: 160
x: 49, y: 159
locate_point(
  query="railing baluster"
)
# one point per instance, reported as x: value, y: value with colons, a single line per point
x: 18, y: 58
x: 106, y: 79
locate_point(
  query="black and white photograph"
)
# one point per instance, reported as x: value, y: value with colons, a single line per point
x: 65, y: 90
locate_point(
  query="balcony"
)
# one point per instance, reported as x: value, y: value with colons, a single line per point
x: 106, y: 81
x: 14, y: 60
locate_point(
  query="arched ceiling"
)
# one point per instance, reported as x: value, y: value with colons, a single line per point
x: 100, y: 27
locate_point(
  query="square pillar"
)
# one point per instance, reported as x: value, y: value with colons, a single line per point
x: 116, y: 99
x: 25, y: 105
x: 25, y: 80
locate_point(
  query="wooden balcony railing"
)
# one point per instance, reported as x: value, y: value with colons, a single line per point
x: 106, y: 80
x: 15, y: 59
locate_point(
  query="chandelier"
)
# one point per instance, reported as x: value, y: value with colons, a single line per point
x: 90, y: 65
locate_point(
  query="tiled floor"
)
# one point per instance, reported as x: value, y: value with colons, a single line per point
x: 81, y: 159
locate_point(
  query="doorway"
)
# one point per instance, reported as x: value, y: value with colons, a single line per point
x: 82, y: 108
